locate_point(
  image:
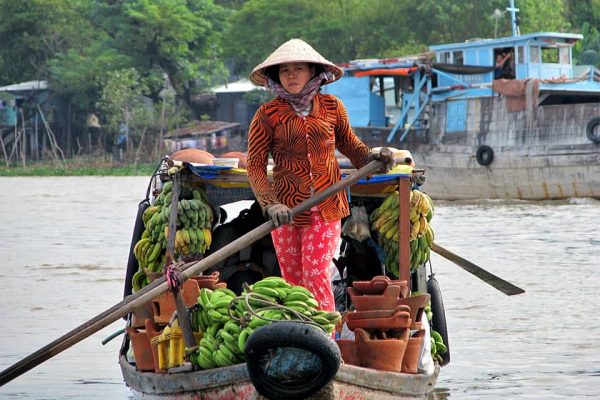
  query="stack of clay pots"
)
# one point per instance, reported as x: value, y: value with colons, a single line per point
x: 149, y: 321
x: 388, y: 334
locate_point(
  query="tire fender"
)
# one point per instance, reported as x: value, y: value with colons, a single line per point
x: 294, y: 335
x: 438, y: 321
x: 593, y: 130
x: 484, y: 155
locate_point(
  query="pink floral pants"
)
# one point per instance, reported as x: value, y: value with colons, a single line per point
x: 305, y: 254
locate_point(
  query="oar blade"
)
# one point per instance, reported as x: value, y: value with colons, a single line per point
x: 495, y: 281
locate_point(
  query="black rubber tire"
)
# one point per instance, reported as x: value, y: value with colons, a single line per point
x: 290, y: 334
x: 132, y: 262
x: 484, y: 155
x: 593, y: 130
x: 438, y: 322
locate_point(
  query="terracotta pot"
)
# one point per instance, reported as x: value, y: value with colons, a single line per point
x: 397, y: 320
x: 153, y: 331
x: 378, y: 284
x: 207, y: 281
x: 417, y: 305
x: 383, y: 355
x: 349, y: 351
x: 142, y: 350
x: 164, y: 305
x: 386, y: 301
x: 410, y: 362
x: 353, y: 315
x: 140, y: 315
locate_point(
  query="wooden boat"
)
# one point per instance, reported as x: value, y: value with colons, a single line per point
x: 531, y: 133
x: 234, y: 382
x: 228, y: 383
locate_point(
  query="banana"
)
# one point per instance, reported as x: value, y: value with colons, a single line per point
x: 207, y: 237
x: 204, y: 362
x: 243, y: 338
x: 301, y: 296
x: 266, y: 291
x: 186, y: 236
x: 155, y: 252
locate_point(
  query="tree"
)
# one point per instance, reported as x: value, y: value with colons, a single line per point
x: 32, y: 32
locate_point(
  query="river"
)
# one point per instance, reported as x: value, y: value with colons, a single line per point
x: 64, y: 245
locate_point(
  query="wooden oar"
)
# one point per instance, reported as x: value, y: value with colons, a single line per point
x: 160, y: 286
x: 505, y: 287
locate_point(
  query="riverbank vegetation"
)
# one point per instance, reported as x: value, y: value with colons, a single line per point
x: 127, y: 72
x: 80, y: 166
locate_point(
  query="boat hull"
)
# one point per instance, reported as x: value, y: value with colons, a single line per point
x: 233, y: 382
x: 541, y: 153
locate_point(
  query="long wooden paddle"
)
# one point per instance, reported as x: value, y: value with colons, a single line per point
x: 505, y: 287
x: 160, y: 286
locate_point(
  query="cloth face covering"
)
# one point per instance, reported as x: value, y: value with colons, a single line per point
x: 301, y: 101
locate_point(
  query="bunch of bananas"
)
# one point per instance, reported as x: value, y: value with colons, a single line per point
x: 384, y: 220
x: 192, y: 237
x: 421, y: 232
x: 227, y: 321
x: 437, y: 345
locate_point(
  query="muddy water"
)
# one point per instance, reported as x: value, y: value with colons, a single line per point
x: 64, y: 245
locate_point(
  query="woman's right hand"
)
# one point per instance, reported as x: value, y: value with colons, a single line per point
x: 280, y: 214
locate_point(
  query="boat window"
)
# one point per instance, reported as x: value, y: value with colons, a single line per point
x: 457, y: 57
x: 446, y: 57
x: 564, y: 54
x: 534, y: 54
x: 550, y: 55
x: 520, y: 55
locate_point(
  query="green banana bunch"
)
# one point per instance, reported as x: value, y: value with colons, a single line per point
x: 384, y: 220
x: 227, y: 320
x: 437, y: 346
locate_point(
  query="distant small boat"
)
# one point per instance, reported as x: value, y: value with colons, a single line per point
x: 527, y: 129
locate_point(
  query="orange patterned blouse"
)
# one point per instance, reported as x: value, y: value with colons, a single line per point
x: 303, y: 150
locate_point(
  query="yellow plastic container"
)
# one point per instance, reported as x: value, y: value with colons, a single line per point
x: 170, y: 346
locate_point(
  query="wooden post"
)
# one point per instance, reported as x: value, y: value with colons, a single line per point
x: 182, y: 313
x: 404, y: 188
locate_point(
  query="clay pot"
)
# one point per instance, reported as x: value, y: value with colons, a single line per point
x: 142, y: 350
x: 153, y: 331
x: 164, y: 305
x: 243, y: 163
x: 140, y: 315
x: 207, y: 281
x: 395, y: 319
x: 349, y: 351
x: 417, y: 305
x: 388, y: 300
x: 378, y: 284
x: 196, y: 156
x: 383, y: 355
x: 410, y: 362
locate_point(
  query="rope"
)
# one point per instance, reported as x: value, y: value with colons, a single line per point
x: 268, y: 305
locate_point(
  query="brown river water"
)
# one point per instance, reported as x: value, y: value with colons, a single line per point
x: 64, y: 244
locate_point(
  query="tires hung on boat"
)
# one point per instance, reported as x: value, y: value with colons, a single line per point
x: 484, y: 155
x: 438, y: 322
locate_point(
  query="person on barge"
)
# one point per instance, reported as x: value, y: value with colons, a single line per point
x: 301, y: 129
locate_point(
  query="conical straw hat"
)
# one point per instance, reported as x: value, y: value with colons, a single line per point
x: 294, y: 50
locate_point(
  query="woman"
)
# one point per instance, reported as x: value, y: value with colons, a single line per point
x: 301, y: 128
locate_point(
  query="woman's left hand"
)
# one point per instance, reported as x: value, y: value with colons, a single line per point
x: 385, y: 156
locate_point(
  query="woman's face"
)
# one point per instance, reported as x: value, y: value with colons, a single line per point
x: 294, y: 76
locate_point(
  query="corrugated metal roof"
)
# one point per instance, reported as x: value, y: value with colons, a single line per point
x: 202, y: 128
x: 25, y: 86
x: 241, y: 86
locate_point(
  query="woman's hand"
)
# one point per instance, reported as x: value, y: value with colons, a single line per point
x: 280, y: 214
x: 385, y: 156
